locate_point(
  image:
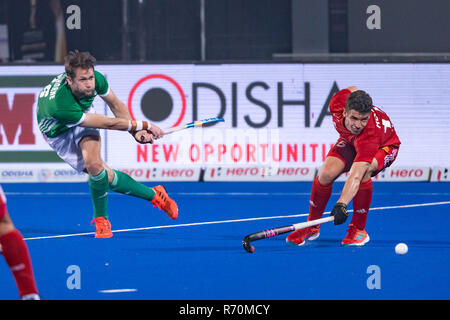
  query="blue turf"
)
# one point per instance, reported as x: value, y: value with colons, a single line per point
x: 208, y: 261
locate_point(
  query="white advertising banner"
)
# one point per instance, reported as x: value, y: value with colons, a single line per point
x: 276, y: 115
x: 43, y: 172
x: 398, y: 174
x: 249, y: 173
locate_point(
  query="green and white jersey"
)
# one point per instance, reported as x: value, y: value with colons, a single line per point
x: 59, y: 110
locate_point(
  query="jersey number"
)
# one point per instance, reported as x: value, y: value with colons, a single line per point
x: 45, y: 91
x: 386, y: 124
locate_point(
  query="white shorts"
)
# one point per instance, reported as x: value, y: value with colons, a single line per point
x: 67, y: 148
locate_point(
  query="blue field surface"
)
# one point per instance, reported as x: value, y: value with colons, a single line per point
x: 200, y: 256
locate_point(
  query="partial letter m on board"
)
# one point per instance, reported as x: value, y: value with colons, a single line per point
x: 20, y: 115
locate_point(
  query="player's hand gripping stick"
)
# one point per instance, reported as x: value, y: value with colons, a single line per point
x: 339, y: 213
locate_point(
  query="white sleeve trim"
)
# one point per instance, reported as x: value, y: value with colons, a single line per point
x: 107, y: 92
x: 70, y: 125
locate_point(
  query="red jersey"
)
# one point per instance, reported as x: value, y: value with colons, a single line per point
x: 378, y: 133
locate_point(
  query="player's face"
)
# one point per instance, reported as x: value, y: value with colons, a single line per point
x: 83, y: 85
x: 355, y: 121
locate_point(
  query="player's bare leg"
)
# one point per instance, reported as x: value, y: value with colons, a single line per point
x: 90, y: 148
x: 6, y: 225
x: 331, y: 169
x: 320, y: 194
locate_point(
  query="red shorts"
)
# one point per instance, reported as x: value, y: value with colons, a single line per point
x: 346, y: 152
x: 2, y: 203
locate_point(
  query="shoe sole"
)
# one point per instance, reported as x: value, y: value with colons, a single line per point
x: 314, y: 237
x: 367, y: 239
x: 103, y: 237
x: 295, y: 244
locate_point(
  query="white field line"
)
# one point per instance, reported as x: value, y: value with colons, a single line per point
x: 235, y: 220
x: 117, y: 290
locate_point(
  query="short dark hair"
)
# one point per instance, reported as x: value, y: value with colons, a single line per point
x: 359, y: 101
x: 76, y: 59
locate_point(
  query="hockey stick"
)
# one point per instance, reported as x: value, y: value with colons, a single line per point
x: 193, y: 124
x: 197, y: 123
x: 279, y: 230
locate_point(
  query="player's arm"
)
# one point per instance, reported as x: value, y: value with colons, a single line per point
x: 351, y: 187
x: 138, y: 129
x: 117, y: 107
x: 120, y: 110
x: 99, y: 121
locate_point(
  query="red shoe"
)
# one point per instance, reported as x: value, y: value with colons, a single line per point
x: 299, y: 237
x: 103, y: 227
x: 355, y: 237
x: 162, y: 201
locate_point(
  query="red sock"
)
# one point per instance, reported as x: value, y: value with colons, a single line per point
x: 320, y: 195
x: 361, y: 204
x: 16, y: 254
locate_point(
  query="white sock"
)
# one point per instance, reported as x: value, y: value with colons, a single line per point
x: 31, y: 296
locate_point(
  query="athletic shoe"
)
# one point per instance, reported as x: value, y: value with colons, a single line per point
x: 299, y: 237
x: 162, y: 201
x: 355, y: 237
x: 103, y: 227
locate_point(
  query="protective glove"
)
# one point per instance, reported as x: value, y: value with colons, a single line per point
x: 340, y: 213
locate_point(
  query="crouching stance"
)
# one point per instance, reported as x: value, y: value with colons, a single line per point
x: 367, y: 144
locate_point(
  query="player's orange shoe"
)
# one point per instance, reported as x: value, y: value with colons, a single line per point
x: 103, y: 227
x: 299, y: 237
x: 162, y: 201
x: 355, y: 237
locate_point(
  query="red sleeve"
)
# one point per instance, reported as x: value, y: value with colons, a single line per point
x: 337, y: 106
x: 366, y: 146
x: 337, y: 102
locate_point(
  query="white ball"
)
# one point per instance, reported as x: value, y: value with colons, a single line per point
x: 401, y: 248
